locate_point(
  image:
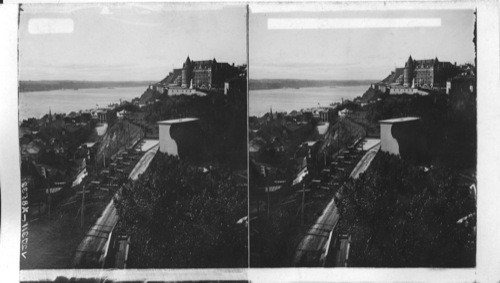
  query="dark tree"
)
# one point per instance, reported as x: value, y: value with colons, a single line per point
x: 401, y: 216
x: 181, y: 217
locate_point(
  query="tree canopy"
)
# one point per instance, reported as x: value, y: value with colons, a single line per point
x: 181, y: 217
x: 401, y: 216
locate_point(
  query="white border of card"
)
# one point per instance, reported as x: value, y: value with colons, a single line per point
x: 488, y: 240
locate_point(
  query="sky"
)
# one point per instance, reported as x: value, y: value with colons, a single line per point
x: 355, y: 54
x: 126, y: 42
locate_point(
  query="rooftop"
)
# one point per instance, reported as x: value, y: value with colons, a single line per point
x: 89, y: 144
x: 398, y: 120
x: 322, y: 128
x: 310, y: 143
x: 177, y: 121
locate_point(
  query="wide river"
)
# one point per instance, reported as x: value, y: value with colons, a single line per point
x: 289, y: 99
x: 36, y: 104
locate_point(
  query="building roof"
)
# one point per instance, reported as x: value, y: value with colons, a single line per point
x: 177, y: 121
x: 89, y: 144
x: 322, y: 128
x: 253, y: 147
x: 32, y: 150
x: 399, y: 120
x: 310, y: 143
x: 170, y: 79
x: 205, y: 64
x: 425, y: 63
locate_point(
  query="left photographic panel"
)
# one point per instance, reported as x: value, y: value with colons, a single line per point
x: 133, y: 136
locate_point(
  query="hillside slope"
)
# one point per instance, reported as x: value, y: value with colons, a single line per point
x: 121, y: 134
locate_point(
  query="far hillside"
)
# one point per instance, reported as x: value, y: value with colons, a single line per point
x: 292, y: 83
x: 26, y: 86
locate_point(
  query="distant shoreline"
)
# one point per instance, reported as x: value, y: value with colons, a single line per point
x: 37, y: 86
x: 263, y: 84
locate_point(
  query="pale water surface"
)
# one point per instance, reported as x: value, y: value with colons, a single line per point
x: 289, y: 99
x: 36, y: 104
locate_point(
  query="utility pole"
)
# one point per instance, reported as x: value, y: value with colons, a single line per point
x: 95, y: 163
x: 303, y: 199
x: 48, y: 188
x: 44, y: 173
x: 128, y: 134
x: 83, y: 205
x: 268, y: 200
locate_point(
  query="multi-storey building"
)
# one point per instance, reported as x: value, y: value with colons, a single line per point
x: 429, y: 73
x: 205, y: 74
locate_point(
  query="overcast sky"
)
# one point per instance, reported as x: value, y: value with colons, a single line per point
x: 124, y: 42
x: 350, y: 54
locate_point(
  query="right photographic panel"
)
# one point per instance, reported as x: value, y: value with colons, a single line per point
x: 362, y: 138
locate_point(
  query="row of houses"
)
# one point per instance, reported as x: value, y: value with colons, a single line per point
x: 174, y: 90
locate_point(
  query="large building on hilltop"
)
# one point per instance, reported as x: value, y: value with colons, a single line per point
x: 205, y: 74
x: 427, y: 74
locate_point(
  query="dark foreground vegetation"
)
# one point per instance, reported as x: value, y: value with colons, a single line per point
x: 401, y: 215
x: 179, y: 216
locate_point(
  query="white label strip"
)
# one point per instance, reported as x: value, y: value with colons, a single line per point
x: 342, y: 5
x: 352, y: 23
x: 48, y: 26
